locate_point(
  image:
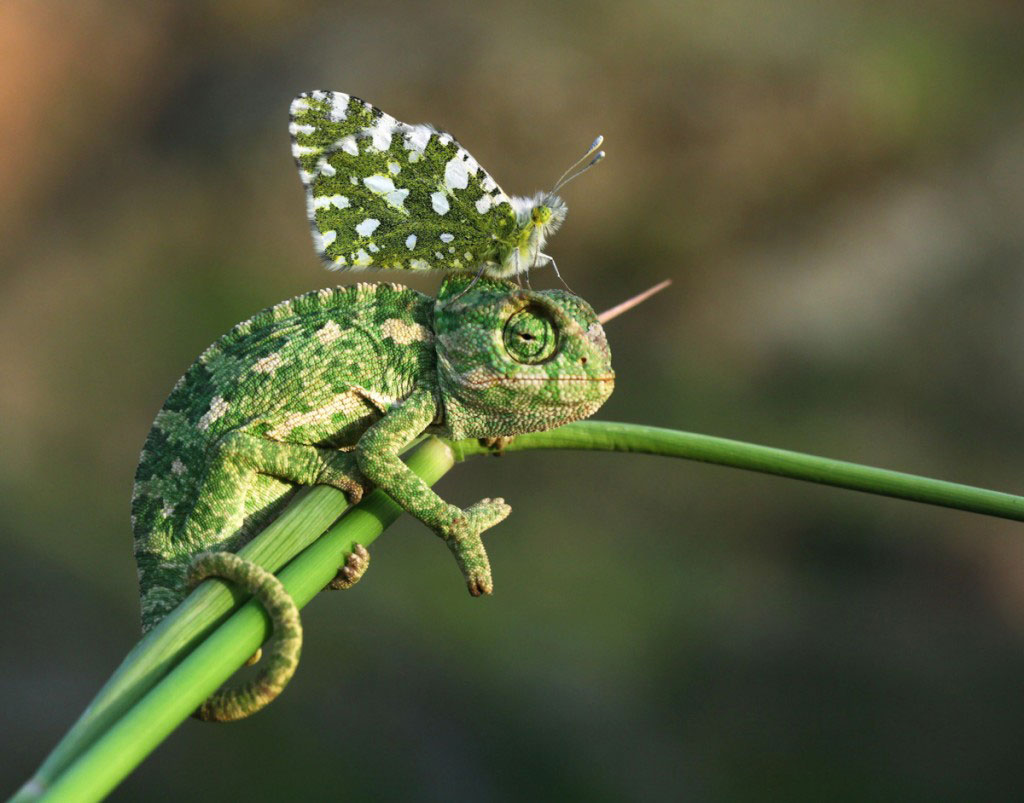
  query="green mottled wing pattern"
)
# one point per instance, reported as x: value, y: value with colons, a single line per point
x: 386, y: 194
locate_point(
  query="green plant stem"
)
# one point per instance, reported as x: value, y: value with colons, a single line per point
x: 185, y: 627
x: 120, y: 749
x: 613, y: 437
x: 106, y: 718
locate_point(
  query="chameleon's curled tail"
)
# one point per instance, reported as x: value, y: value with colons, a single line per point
x: 236, y: 702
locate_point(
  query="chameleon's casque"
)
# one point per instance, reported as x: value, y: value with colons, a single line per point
x: 329, y: 387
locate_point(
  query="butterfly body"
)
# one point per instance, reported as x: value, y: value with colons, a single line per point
x: 381, y: 193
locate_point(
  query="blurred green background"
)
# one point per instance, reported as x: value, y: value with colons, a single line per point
x: 837, y: 191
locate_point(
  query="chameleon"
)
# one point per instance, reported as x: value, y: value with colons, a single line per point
x: 328, y: 388
x: 386, y: 194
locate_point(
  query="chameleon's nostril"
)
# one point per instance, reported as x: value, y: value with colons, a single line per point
x: 583, y: 360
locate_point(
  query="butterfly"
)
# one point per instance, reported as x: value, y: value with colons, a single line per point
x: 381, y: 193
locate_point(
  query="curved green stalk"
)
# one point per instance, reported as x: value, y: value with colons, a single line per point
x: 152, y: 718
x: 148, y: 695
x: 613, y: 437
x: 308, y: 516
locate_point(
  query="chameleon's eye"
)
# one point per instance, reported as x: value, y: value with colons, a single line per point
x: 531, y: 336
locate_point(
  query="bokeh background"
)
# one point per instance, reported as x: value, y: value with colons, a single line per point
x: 836, y: 190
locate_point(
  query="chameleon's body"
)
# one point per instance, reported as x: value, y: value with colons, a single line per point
x: 329, y: 387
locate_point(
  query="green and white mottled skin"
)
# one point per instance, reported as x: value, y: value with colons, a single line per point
x: 328, y: 388
x: 386, y: 194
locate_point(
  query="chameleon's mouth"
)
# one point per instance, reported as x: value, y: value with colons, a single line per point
x: 538, y: 380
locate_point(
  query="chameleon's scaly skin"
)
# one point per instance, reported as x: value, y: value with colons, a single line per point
x: 329, y: 387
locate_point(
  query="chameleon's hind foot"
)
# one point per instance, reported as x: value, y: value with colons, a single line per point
x: 255, y: 657
x: 228, y: 704
x: 463, y: 539
x: 355, y: 567
x: 341, y: 471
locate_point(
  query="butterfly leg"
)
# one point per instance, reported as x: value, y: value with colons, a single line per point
x: 469, y: 287
x: 554, y: 265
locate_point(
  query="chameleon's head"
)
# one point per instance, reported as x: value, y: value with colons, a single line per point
x: 512, y: 361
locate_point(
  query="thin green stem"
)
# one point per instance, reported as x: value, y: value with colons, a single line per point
x: 151, y: 692
x: 185, y: 627
x: 613, y: 437
x: 136, y: 734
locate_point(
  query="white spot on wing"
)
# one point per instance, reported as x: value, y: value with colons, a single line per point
x: 410, y: 241
x: 379, y: 184
x: 455, y: 175
x: 348, y: 144
x: 324, y: 201
x: 447, y: 238
x: 439, y: 202
x: 381, y: 132
x: 322, y: 239
x: 367, y: 227
x: 417, y: 137
x: 339, y: 106
x: 384, y: 185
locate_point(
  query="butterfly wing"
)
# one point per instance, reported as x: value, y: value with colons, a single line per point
x: 386, y: 194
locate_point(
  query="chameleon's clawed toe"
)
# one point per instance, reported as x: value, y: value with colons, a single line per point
x: 480, y: 585
x: 355, y: 567
x: 497, y: 445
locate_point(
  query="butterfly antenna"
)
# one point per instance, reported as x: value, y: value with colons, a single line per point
x: 565, y: 178
x: 629, y: 303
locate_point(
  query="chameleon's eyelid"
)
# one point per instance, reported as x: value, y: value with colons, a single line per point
x: 559, y: 315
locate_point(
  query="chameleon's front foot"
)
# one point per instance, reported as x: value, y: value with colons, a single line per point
x: 355, y: 567
x: 462, y: 534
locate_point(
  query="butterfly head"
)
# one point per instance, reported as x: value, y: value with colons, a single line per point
x: 548, y: 211
x: 540, y: 216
